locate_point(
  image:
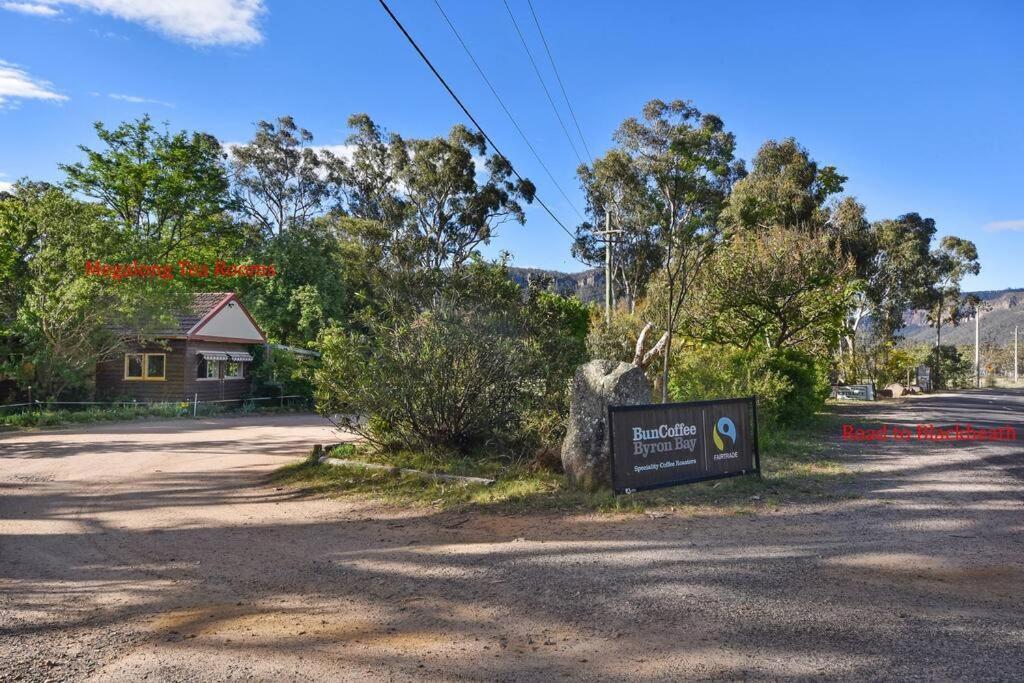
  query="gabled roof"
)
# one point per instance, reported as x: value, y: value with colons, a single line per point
x: 226, y: 320
x: 203, y: 303
x: 205, y: 306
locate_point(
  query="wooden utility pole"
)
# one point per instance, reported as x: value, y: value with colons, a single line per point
x: 607, y: 232
x: 607, y: 266
x: 1015, y: 329
x: 977, y: 351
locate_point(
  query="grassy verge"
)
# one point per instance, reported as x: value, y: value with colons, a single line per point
x: 794, y: 467
x: 50, y: 417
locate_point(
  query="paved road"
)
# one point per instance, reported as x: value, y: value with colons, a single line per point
x: 159, y: 550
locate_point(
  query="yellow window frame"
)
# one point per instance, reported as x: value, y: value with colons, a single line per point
x: 145, y: 368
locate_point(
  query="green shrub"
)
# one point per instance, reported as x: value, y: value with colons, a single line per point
x: 790, y: 385
x: 951, y: 369
x: 282, y: 373
x: 50, y: 416
x: 896, y: 364
x: 447, y: 379
x: 483, y: 365
x: 555, y: 337
x: 617, y: 341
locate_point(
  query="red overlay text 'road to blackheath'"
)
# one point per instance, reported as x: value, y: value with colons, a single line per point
x: 929, y: 432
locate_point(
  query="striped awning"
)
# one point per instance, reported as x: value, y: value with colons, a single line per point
x: 213, y: 355
x: 240, y: 356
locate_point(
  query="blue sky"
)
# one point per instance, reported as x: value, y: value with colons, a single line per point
x: 919, y: 103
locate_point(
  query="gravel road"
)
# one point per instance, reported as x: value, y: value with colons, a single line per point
x: 158, y: 551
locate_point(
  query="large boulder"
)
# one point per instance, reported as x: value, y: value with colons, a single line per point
x: 586, y: 453
x: 895, y: 389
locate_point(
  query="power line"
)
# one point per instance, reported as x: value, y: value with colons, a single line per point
x: 554, y: 68
x: 467, y: 113
x: 540, y: 78
x: 505, y: 108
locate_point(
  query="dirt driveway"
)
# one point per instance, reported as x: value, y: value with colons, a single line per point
x: 158, y: 550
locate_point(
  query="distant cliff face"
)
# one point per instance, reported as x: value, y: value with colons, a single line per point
x: 1007, y: 310
x: 587, y: 285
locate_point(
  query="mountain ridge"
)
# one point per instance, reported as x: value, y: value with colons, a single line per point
x: 1005, y: 307
x: 1002, y: 310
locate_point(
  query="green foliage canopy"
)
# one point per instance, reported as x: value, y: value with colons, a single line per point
x: 168, y: 189
x: 781, y: 287
x: 784, y: 187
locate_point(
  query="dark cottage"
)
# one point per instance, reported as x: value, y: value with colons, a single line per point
x: 209, y: 354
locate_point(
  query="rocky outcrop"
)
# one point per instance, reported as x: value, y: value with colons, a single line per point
x: 586, y: 452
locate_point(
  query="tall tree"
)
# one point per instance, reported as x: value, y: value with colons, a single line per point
x: 784, y: 187
x: 19, y: 240
x: 440, y: 198
x: 954, y: 259
x: 66, y: 321
x: 679, y: 166
x: 279, y: 178
x: 892, y: 262
x: 310, y: 288
x: 898, y: 272
x: 367, y: 178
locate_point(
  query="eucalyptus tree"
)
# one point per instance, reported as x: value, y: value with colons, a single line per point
x: 279, y: 178
x: 437, y: 199
x: 676, y: 165
x: 901, y: 268
x: 852, y: 232
x: 892, y: 263
x: 953, y: 260
x: 785, y: 187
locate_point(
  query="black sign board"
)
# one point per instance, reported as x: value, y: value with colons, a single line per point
x: 665, y: 444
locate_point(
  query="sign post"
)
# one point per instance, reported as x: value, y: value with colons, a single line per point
x: 924, y: 378
x: 666, y: 444
x: 854, y: 392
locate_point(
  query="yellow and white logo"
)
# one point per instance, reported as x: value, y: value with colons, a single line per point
x: 724, y: 428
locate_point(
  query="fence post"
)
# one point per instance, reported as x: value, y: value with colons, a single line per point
x: 195, y: 404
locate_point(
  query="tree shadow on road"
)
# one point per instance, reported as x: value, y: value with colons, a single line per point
x: 917, y: 575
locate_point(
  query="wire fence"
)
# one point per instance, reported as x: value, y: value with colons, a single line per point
x: 192, y: 404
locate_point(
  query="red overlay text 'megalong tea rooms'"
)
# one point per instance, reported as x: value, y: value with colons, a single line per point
x: 117, y: 272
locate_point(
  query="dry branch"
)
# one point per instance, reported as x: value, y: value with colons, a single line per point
x: 641, y: 359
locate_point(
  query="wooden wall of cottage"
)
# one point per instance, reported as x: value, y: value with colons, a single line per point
x: 181, y: 382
